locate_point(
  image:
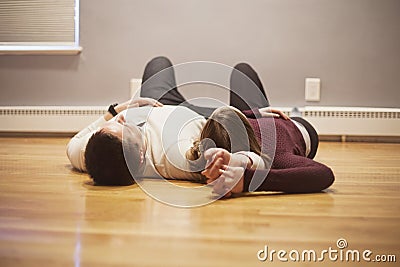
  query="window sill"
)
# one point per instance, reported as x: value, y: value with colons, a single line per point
x: 40, y: 50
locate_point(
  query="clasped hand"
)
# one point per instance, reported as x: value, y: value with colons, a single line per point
x: 224, y: 171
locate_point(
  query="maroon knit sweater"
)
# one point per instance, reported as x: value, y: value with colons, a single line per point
x: 291, y: 171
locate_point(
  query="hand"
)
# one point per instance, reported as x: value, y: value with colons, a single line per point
x: 270, y: 112
x: 224, y: 171
x: 217, y: 157
x: 120, y: 118
x: 145, y: 101
x: 230, y: 181
x: 137, y: 102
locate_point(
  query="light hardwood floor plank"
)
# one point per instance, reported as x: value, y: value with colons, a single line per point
x: 51, y: 215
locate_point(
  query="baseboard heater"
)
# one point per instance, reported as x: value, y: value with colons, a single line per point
x: 329, y: 121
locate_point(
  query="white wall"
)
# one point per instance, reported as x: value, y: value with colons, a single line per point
x: 352, y: 45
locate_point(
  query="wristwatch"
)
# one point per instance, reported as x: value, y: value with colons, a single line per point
x: 111, y: 109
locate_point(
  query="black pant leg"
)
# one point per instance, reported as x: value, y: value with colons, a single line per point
x: 312, y: 133
x: 247, y: 91
x: 158, y: 82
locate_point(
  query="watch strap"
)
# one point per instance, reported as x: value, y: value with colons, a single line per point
x: 111, y: 109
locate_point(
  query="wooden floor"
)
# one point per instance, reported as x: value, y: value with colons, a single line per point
x: 52, y: 216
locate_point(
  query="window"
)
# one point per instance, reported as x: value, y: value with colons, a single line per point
x: 39, y: 27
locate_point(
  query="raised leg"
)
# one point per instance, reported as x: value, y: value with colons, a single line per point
x: 159, y: 82
x: 247, y: 91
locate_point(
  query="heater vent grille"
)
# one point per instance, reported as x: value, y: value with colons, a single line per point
x: 52, y: 111
x: 352, y: 114
x: 327, y: 120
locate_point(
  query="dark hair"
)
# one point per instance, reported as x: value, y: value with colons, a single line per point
x: 105, y: 161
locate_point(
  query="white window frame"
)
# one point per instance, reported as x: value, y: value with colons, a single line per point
x: 46, y: 48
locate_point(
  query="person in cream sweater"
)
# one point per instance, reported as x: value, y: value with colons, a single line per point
x: 148, y: 136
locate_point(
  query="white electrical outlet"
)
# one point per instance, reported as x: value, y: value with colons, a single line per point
x: 135, y: 85
x: 313, y: 87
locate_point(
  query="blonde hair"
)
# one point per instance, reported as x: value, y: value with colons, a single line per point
x: 227, y: 128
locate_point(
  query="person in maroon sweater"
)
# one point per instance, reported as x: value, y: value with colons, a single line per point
x: 290, y: 171
x: 287, y: 146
